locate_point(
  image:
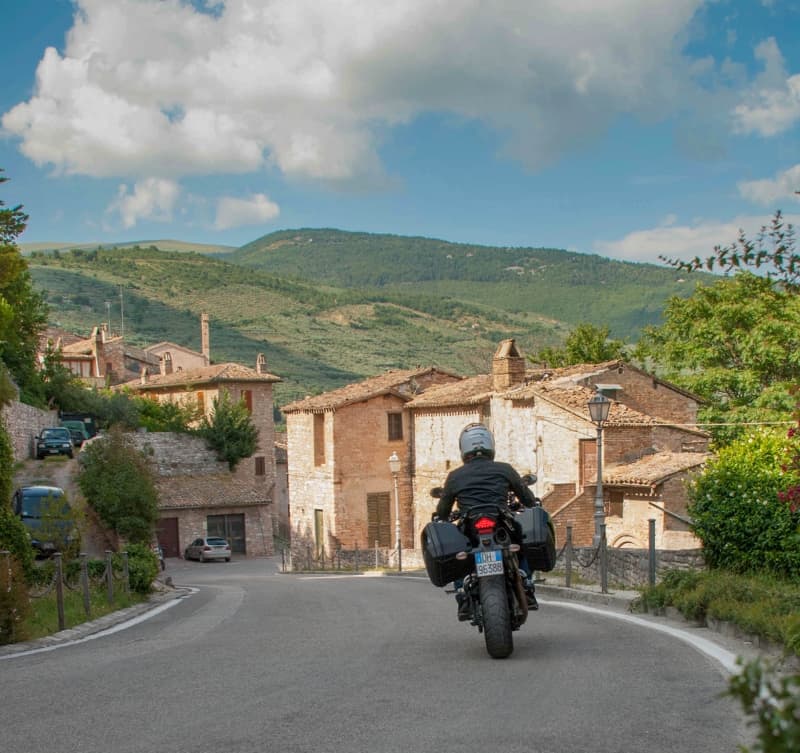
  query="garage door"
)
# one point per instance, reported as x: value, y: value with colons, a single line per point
x: 230, y: 527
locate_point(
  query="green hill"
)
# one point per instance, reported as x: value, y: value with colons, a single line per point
x: 556, y: 284
x: 328, y: 307
x: 315, y: 337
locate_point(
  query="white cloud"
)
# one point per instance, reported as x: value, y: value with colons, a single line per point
x: 233, y: 212
x: 151, y: 199
x: 772, y: 104
x: 766, y: 191
x: 683, y: 241
x: 158, y: 88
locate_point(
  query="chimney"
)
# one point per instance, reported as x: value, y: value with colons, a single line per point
x: 261, y: 364
x: 143, y: 375
x: 205, y: 344
x: 508, y: 366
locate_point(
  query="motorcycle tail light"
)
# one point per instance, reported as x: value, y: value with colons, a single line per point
x: 514, y: 547
x: 484, y: 525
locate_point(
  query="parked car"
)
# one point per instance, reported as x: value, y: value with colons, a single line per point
x: 54, y: 441
x: 46, y: 514
x: 77, y: 430
x: 208, y: 548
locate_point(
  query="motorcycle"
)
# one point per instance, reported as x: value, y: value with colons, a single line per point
x: 481, y: 548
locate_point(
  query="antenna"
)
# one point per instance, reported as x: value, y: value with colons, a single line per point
x: 108, y: 316
x: 121, y: 314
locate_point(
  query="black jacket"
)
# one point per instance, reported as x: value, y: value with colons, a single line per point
x: 481, y: 481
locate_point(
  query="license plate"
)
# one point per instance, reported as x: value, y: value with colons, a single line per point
x: 489, y: 563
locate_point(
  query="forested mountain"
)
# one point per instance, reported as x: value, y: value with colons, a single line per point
x: 557, y: 284
x: 328, y: 307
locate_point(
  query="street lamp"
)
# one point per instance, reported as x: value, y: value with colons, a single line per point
x: 599, y: 407
x: 394, y: 467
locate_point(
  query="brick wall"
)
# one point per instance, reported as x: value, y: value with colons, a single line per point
x: 645, y: 394
x: 23, y: 423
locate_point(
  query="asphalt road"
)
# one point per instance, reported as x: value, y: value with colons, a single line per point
x: 259, y: 661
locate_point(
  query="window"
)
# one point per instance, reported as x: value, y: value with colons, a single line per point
x: 261, y: 466
x: 319, y: 439
x: 615, y: 504
x: 395, y: 426
x: 247, y: 397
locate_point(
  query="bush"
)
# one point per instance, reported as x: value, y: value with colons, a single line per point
x: 119, y: 484
x: 761, y: 605
x: 15, y: 539
x: 737, y: 512
x: 142, y: 567
x: 773, y: 702
x: 14, y: 602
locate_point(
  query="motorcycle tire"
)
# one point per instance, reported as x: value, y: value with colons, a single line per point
x: 496, y: 616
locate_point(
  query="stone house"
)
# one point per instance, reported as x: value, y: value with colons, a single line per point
x: 199, y: 496
x: 338, y: 445
x: 174, y: 357
x: 541, y: 423
x: 101, y: 359
x: 217, y: 504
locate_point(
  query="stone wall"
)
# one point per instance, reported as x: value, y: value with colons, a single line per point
x: 24, y: 422
x: 178, y: 454
x: 629, y: 567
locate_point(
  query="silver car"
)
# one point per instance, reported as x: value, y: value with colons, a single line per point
x: 208, y: 548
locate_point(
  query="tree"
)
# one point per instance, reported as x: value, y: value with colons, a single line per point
x: 23, y: 312
x: 735, y: 343
x: 119, y: 484
x: 587, y: 343
x: 773, y: 252
x: 230, y: 431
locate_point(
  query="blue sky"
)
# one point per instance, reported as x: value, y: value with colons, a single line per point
x: 628, y: 128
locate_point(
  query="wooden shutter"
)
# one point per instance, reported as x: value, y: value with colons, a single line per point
x: 379, y: 524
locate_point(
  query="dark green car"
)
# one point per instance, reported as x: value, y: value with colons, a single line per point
x: 46, y: 514
x: 54, y: 441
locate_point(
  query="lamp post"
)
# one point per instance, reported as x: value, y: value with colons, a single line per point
x: 599, y: 407
x: 394, y: 467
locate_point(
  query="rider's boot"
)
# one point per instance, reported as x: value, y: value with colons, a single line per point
x: 464, y: 611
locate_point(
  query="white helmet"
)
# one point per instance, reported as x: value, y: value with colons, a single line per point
x: 475, y: 440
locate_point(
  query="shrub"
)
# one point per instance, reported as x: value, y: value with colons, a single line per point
x: 118, y: 483
x: 773, y: 702
x: 15, y: 539
x: 14, y: 602
x: 142, y: 567
x: 737, y: 512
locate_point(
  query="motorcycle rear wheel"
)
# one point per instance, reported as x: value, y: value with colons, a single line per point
x: 496, y: 616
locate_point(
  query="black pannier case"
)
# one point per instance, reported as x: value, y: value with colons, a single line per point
x: 441, y: 541
x: 538, y: 538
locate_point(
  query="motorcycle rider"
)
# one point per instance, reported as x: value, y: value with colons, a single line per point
x: 483, y: 478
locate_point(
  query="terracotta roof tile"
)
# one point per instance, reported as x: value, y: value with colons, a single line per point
x: 222, y: 372
x: 576, y: 398
x: 394, y: 381
x: 207, y: 491
x: 654, y: 469
x: 469, y: 391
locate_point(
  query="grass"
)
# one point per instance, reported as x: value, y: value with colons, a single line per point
x: 761, y: 605
x: 43, y: 617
